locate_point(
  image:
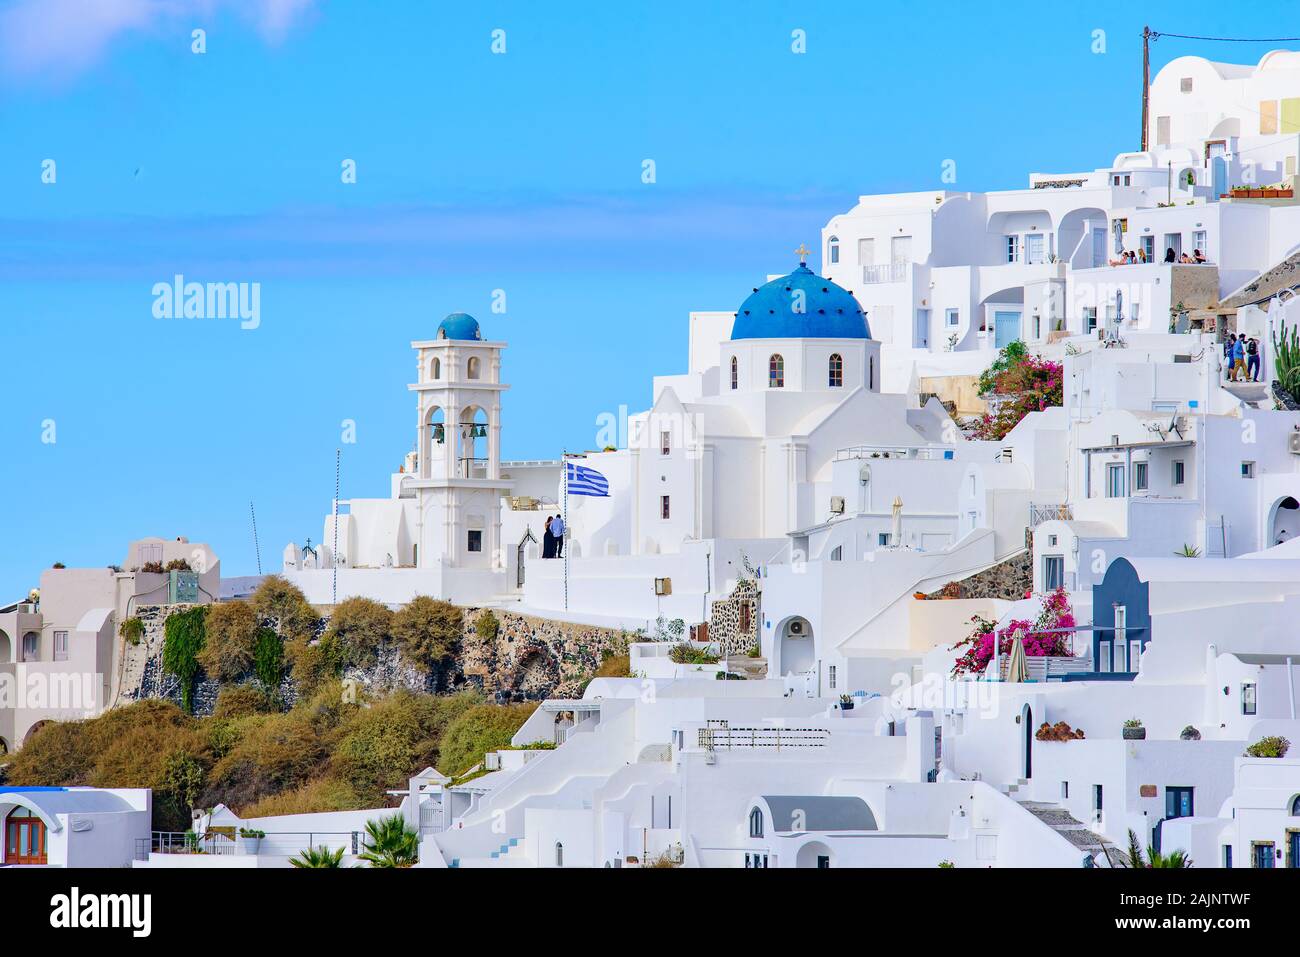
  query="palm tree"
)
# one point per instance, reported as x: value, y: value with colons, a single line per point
x: 390, y: 842
x: 320, y: 856
x: 1134, y: 858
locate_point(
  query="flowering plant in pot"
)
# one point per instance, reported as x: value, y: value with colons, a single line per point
x: 1134, y: 730
x: 846, y: 703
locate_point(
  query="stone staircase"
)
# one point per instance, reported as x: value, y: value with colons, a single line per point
x: 1063, y: 823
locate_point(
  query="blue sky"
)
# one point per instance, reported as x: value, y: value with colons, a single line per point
x: 475, y: 172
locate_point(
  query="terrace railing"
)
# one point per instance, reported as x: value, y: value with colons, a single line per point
x: 1048, y: 513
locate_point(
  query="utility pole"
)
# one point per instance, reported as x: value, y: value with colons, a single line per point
x: 1146, y: 81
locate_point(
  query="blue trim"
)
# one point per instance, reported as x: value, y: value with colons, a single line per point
x: 29, y: 790
x: 1100, y: 676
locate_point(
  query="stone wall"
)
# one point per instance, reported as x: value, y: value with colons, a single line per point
x: 730, y: 628
x: 1009, y: 579
x: 530, y: 659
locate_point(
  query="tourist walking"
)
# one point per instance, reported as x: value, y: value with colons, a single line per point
x: 1252, y: 360
x: 1239, y: 356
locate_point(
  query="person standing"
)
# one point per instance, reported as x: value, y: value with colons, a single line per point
x: 1239, y: 356
x: 1252, y: 360
x: 557, y: 530
x: 548, y: 540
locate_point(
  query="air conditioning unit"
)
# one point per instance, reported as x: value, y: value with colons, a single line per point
x: 837, y: 503
x: 1293, y: 443
x: 796, y: 627
x: 663, y: 586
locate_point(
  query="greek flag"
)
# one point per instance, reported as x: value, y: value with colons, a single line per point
x: 584, y: 481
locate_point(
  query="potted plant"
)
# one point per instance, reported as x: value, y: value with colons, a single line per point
x: 1189, y: 733
x: 250, y: 840
x: 1134, y: 730
x: 846, y: 703
x: 1273, y: 746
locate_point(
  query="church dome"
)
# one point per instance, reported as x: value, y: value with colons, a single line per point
x: 802, y: 305
x: 459, y: 325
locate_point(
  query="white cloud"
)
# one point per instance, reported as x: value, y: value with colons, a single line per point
x: 62, y: 38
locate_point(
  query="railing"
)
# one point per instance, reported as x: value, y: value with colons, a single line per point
x: 712, y: 739
x: 889, y: 272
x: 924, y: 452
x: 184, y: 842
x: 217, y: 843
x: 1049, y: 513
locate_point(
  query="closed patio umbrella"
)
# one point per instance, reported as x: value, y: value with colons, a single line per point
x: 896, y: 538
x: 1017, y: 667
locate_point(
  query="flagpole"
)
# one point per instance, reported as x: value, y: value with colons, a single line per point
x: 564, y: 517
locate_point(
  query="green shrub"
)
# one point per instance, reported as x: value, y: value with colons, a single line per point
x: 1273, y: 746
x: 486, y: 626
x: 280, y: 599
x: 361, y: 626
x: 428, y: 631
x: 131, y: 630
x: 240, y: 701
x: 183, y: 638
x: 615, y: 666
x: 314, y: 663
x: 230, y: 630
x: 684, y: 653
x: 268, y: 658
x: 480, y: 729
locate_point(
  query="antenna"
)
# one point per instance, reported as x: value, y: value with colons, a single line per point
x: 257, y: 550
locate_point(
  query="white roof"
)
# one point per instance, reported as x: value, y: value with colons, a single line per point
x: 1226, y: 570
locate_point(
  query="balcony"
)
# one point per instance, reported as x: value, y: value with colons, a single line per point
x: 1049, y: 513
x: 889, y: 272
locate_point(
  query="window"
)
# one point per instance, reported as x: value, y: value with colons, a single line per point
x: 866, y: 252
x: 776, y: 372
x: 31, y: 646
x: 1162, y: 131
x: 1185, y: 85
x: 1247, y: 469
x: 1200, y: 241
x: 472, y: 367
x: 1180, y: 472
x: 837, y: 553
x: 883, y: 541
x: 435, y: 369
x: 663, y: 506
x: 1114, y: 482
x: 1121, y: 662
x: 1247, y: 697
x: 1262, y: 854
x: 1227, y: 855
x: 1013, y: 253
x: 951, y: 317
x: 1174, y: 241
x: 830, y: 676
x: 665, y: 443
x: 1178, y: 802
x: 1051, y: 540
x: 735, y: 373
x: 746, y: 616
x: 871, y: 378
x: 1103, y: 655
x: 1089, y: 318
x: 756, y: 822
x: 900, y: 250
x: 836, y: 370
x: 1295, y: 806
x: 475, y: 542
x: 1096, y: 798
x: 1148, y: 246
x: 1065, y: 790
x: 1139, y: 476
x: 60, y: 646
x: 559, y: 854
x: 833, y: 250
x: 1053, y: 572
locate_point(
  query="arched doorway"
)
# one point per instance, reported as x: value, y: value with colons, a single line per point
x: 31, y: 732
x: 25, y: 838
x: 797, y: 648
x: 814, y: 854
x: 1284, y: 522
x: 6, y: 649
x: 521, y: 555
x: 4, y: 747
x: 1027, y: 743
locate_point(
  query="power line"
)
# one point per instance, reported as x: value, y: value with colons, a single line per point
x: 1183, y: 36
x: 257, y: 549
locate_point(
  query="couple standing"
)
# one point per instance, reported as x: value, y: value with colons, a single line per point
x: 553, y: 537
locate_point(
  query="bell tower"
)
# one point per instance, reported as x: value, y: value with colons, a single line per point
x: 458, y: 447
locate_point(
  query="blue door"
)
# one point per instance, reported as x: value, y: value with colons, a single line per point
x: 1006, y: 328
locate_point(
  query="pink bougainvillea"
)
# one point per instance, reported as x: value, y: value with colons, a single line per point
x: 1029, y: 383
x: 1049, y: 635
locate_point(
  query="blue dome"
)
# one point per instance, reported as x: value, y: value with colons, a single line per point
x: 777, y: 311
x: 459, y: 325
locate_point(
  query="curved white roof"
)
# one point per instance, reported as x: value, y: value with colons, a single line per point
x: 1226, y: 570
